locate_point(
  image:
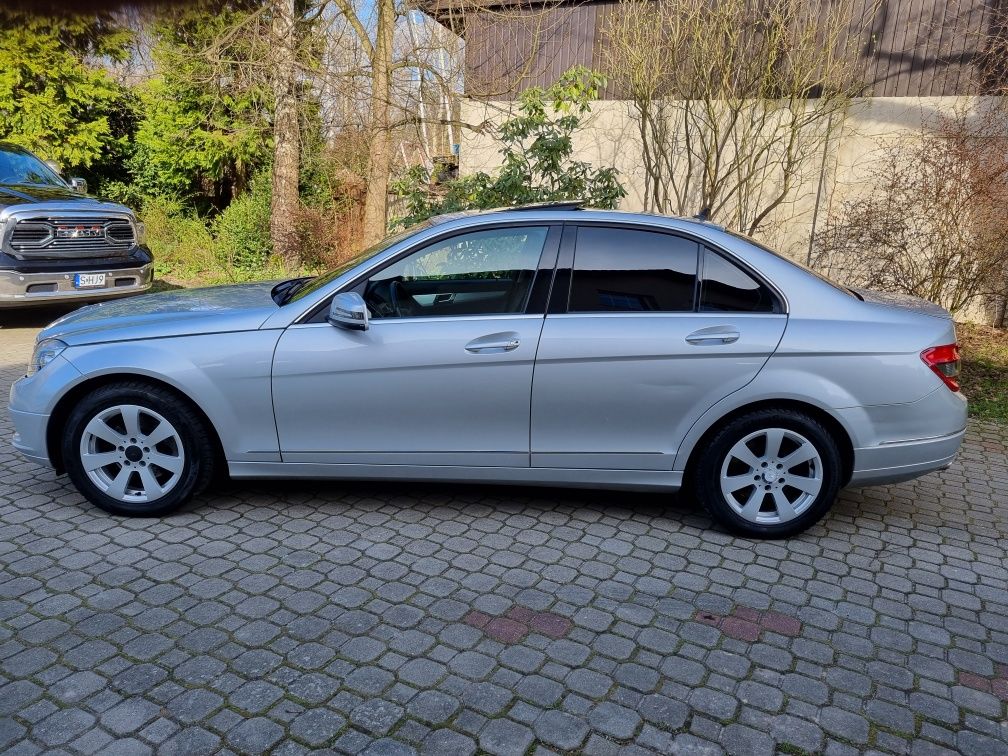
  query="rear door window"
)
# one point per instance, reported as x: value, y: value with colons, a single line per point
x: 632, y: 270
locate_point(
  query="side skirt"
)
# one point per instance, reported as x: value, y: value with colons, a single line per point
x: 634, y: 480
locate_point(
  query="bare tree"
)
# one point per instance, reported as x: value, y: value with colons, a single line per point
x: 733, y: 100
x: 284, y: 200
x: 936, y: 222
x: 400, y: 80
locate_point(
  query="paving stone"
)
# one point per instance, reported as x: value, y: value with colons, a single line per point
x: 560, y: 729
x: 317, y: 727
x: 388, y: 618
x: 502, y: 737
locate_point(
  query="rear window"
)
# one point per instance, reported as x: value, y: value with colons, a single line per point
x: 817, y: 274
x: 725, y: 287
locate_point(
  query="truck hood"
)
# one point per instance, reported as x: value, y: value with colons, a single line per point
x: 903, y: 302
x: 185, y: 312
x: 17, y: 194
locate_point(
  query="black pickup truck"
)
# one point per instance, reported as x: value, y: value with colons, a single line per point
x: 58, y: 244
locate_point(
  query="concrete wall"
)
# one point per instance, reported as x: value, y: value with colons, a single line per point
x: 610, y: 138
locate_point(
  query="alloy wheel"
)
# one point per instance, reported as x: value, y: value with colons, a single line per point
x: 132, y: 453
x: 771, y: 476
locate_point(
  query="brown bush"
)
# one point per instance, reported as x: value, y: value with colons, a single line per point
x: 936, y: 223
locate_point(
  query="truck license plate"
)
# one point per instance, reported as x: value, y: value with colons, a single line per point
x: 89, y: 280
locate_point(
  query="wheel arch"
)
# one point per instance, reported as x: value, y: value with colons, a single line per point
x: 835, y: 428
x: 63, y: 408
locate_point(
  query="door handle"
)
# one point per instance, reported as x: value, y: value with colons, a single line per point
x: 714, y: 335
x: 494, y: 342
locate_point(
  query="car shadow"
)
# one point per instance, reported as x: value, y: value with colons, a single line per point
x: 265, y: 493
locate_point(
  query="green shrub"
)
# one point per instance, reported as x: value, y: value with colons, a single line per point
x: 181, y: 244
x: 242, y: 231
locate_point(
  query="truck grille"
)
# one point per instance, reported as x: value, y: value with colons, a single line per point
x: 76, y: 237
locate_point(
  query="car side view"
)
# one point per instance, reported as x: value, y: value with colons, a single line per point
x: 544, y: 345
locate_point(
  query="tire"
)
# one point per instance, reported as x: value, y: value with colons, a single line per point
x: 157, y: 450
x: 785, y: 496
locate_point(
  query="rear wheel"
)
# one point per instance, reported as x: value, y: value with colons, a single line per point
x: 135, y: 449
x: 770, y: 473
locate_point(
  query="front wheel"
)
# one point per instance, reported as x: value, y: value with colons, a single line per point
x: 135, y: 449
x: 770, y: 473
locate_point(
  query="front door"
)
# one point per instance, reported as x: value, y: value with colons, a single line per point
x: 443, y: 374
x: 651, y: 330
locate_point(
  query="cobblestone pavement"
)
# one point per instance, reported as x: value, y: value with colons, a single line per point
x: 450, y: 620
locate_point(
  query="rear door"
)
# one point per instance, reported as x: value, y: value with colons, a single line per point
x: 646, y: 330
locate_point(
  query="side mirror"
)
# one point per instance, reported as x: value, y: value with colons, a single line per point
x: 79, y: 185
x: 348, y: 310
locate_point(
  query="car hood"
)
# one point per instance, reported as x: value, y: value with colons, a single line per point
x: 183, y: 312
x: 903, y: 302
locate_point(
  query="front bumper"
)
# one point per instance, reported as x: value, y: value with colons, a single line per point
x: 30, y: 436
x: 53, y: 286
x: 32, y: 401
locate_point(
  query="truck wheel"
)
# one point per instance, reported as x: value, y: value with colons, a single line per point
x: 136, y: 449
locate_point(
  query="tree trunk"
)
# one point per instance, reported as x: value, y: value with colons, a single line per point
x: 286, y: 133
x: 379, y: 149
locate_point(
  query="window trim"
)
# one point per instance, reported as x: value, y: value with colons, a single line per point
x: 548, y: 253
x: 560, y: 299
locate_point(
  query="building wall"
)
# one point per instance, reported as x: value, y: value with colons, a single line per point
x: 908, y: 48
x: 609, y: 138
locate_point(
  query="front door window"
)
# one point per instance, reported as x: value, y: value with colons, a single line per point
x: 478, y: 273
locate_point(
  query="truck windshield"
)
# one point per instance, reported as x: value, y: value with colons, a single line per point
x: 20, y: 167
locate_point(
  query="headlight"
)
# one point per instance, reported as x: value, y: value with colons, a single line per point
x: 45, y: 352
x: 141, y: 233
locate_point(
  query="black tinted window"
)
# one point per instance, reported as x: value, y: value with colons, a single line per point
x: 728, y: 288
x: 626, y: 270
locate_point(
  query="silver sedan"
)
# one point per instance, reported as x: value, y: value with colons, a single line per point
x: 546, y: 345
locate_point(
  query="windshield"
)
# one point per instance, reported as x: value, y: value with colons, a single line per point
x: 319, y: 281
x: 19, y: 167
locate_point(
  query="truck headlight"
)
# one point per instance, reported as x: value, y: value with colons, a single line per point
x: 45, y: 352
x: 141, y: 233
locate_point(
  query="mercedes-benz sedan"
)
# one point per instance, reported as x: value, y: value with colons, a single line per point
x: 546, y: 345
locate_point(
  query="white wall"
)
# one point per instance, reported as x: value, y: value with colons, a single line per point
x: 610, y: 138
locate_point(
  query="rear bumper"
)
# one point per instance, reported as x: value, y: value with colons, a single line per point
x: 894, y: 462
x: 18, y: 289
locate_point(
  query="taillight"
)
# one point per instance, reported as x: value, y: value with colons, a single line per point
x: 944, y: 361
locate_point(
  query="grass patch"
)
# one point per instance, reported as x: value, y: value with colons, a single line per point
x: 985, y: 370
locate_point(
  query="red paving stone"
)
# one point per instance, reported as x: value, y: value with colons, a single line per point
x: 519, y: 613
x: 476, y: 618
x: 977, y: 682
x: 1000, y: 688
x: 506, y: 630
x: 741, y: 629
x: 517, y: 622
x: 780, y: 623
x: 746, y: 623
x: 1002, y: 671
x: 550, y: 624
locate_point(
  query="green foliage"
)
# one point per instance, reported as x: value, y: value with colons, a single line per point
x: 205, y: 128
x: 181, y: 244
x: 537, y: 166
x: 242, y: 231
x: 53, y: 99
